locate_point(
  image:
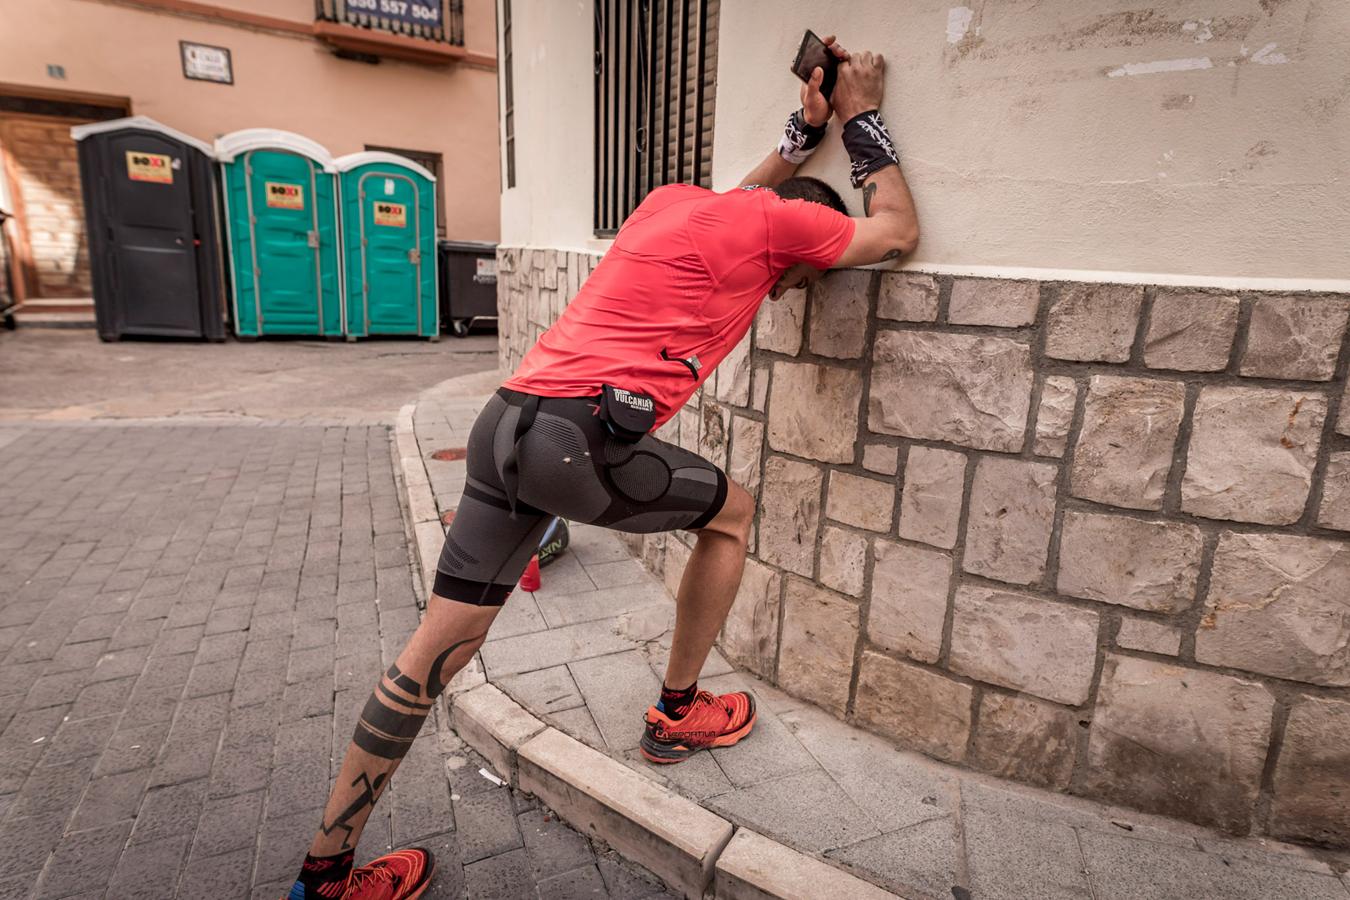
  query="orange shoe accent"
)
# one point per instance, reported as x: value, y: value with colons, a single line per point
x: 712, y: 721
x: 401, y: 875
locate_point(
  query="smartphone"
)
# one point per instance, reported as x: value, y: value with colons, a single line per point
x: 812, y: 53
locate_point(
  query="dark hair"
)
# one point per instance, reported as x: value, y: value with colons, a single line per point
x: 804, y: 187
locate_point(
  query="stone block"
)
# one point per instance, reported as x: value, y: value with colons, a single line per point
x: 839, y: 306
x: 1334, y: 511
x: 864, y: 502
x: 1054, y: 416
x: 1130, y: 562
x: 1024, y: 643
x: 1295, y: 336
x: 1148, y: 636
x: 930, y: 502
x: 907, y: 297
x: 813, y: 411
x: 714, y: 432
x: 747, y: 437
x: 756, y: 868
x: 733, y: 375
x: 1311, y: 801
x: 1180, y: 742
x: 917, y: 708
x: 675, y: 838
x: 993, y: 301
x: 759, y: 391
x: 1277, y: 606
x: 494, y: 725
x: 1190, y: 331
x: 1252, y: 454
x: 750, y: 633
x: 925, y: 384
x: 1012, y: 513
x: 843, y: 557
x: 1093, y: 322
x: 881, y: 459
x: 779, y: 323
x: 820, y: 632
x: 1025, y: 740
x: 789, y: 514
x: 1124, y: 449
x: 909, y: 599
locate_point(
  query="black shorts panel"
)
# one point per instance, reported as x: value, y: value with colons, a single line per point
x: 567, y: 465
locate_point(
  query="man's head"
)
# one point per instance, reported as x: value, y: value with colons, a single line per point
x: 813, y: 190
x: 804, y: 187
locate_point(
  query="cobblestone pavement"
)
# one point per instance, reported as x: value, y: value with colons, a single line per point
x: 586, y: 654
x: 65, y: 374
x: 190, y: 620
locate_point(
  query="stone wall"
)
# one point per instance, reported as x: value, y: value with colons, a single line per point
x: 47, y: 170
x: 1095, y: 537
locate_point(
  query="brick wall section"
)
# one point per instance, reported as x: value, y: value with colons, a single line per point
x: 1095, y: 537
x: 47, y: 166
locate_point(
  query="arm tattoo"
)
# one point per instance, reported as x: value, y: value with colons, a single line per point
x: 869, y: 189
x: 890, y: 254
x: 367, y: 797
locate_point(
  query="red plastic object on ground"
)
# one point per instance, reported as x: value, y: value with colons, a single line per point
x: 530, y: 580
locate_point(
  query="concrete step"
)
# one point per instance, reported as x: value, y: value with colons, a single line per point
x: 73, y: 312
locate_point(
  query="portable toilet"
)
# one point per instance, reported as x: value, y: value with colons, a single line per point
x: 281, y: 219
x: 150, y: 208
x: 388, y: 245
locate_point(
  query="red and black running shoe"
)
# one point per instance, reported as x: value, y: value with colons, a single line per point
x: 401, y: 875
x: 710, y: 721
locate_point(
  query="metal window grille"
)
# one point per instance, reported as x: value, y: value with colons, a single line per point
x: 398, y: 17
x: 655, y: 90
x: 509, y: 113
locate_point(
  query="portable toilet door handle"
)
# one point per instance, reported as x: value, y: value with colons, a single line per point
x: 415, y: 257
x: 312, y: 238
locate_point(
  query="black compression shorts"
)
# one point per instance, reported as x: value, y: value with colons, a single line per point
x: 566, y: 464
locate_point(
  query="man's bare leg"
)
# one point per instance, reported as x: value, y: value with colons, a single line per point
x: 708, y: 586
x: 445, y: 641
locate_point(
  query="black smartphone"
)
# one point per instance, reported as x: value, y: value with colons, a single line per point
x: 812, y: 53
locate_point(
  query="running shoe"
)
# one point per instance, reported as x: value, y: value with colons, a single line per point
x: 401, y: 875
x: 711, y: 721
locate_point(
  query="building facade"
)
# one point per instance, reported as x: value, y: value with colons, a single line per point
x: 420, y: 81
x: 1066, y: 496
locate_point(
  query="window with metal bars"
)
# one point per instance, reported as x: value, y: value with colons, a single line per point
x: 509, y: 113
x: 655, y: 90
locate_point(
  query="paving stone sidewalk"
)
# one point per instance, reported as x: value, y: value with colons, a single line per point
x: 190, y: 620
x: 586, y: 653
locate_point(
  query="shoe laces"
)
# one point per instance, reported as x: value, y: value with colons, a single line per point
x: 369, y: 876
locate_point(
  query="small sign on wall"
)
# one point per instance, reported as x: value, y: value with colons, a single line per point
x: 203, y: 62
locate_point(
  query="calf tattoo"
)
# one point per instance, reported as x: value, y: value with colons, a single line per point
x: 387, y: 733
x: 434, y: 684
x: 369, y: 792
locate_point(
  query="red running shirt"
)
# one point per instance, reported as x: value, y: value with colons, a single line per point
x: 685, y: 275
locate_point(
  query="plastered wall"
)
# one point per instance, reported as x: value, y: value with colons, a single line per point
x: 281, y: 81
x: 1200, y: 138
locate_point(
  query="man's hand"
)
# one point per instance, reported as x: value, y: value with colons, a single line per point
x: 815, y: 107
x: 859, y: 86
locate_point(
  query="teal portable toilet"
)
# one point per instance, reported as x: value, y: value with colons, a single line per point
x: 281, y: 219
x: 388, y: 245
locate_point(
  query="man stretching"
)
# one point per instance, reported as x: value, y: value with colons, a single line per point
x: 569, y: 435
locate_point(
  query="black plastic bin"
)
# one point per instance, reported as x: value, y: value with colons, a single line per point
x: 468, y: 284
x: 149, y: 200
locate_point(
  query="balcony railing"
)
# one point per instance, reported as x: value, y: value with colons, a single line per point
x: 440, y: 21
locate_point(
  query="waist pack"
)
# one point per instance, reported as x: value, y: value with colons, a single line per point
x: 627, y: 415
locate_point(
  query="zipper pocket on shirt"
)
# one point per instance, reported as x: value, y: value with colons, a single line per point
x: 692, y: 363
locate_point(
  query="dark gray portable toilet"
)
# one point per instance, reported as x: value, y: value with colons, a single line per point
x: 150, y: 205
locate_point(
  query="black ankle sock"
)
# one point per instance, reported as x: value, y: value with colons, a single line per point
x: 320, y: 871
x: 676, y: 703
